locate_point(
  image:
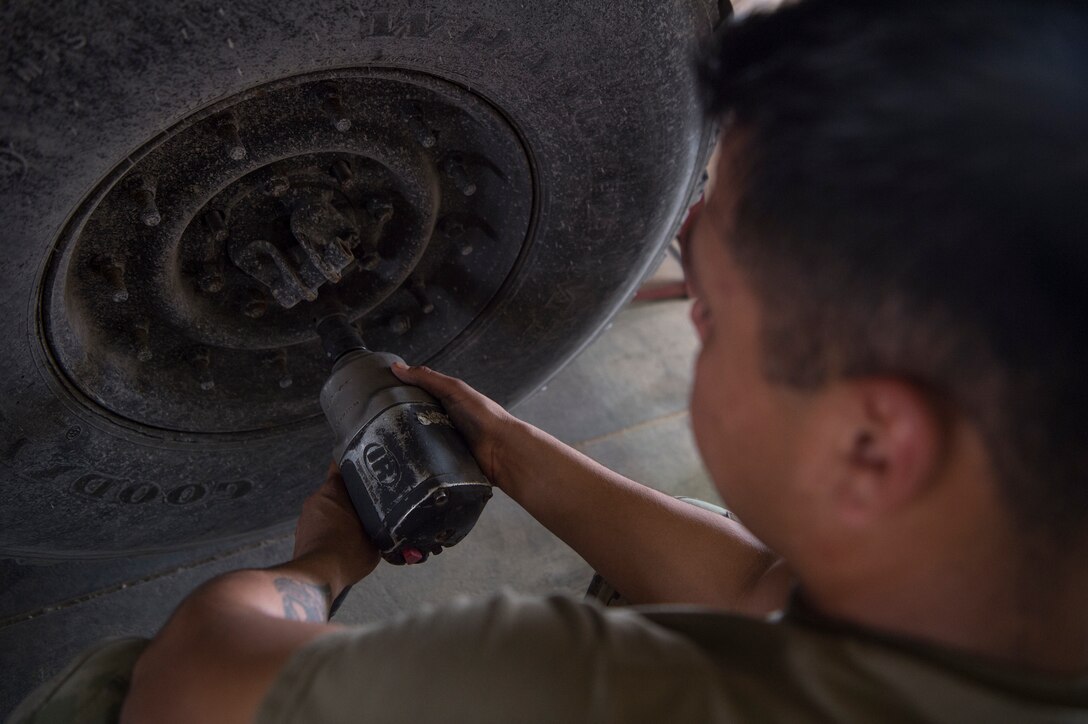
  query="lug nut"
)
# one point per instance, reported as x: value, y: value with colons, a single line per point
x: 370, y: 260
x: 335, y: 111
x: 456, y: 171
x: 347, y: 242
x: 255, y: 306
x: 285, y: 380
x: 279, y: 359
x: 451, y: 227
x: 419, y: 291
x: 454, y: 229
x: 202, y: 369
x: 114, y: 272
x: 341, y: 171
x: 143, y: 344
x: 400, y: 324
x: 379, y: 209
x: 277, y: 186
x: 423, y: 135
x: 232, y: 143
x: 147, y: 211
x: 217, y: 225
x: 210, y: 279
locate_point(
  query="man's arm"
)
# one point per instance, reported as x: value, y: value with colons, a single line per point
x: 648, y: 545
x: 221, y: 650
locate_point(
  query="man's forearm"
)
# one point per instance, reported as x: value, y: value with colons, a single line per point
x: 216, y: 657
x: 650, y: 546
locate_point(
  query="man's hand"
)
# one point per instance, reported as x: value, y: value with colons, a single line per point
x: 329, y: 537
x: 487, y: 428
x: 223, y: 647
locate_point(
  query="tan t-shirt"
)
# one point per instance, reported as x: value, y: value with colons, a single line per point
x: 516, y: 659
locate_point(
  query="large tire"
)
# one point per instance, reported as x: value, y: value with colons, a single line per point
x: 600, y: 93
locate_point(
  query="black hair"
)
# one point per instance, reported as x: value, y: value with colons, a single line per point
x: 910, y: 201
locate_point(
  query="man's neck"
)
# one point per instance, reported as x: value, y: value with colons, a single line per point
x: 1026, y: 610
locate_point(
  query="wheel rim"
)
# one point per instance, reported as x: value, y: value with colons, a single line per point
x: 182, y: 295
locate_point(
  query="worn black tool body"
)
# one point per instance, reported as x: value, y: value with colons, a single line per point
x: 411, y: 478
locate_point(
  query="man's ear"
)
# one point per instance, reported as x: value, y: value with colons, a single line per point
x: 890, y: 448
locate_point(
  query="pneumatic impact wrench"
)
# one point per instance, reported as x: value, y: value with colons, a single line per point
x: 412, y: 480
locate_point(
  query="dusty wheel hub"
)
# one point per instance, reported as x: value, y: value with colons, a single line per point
x: 183, y: 295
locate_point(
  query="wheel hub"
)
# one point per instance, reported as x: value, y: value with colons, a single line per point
x: 183, y: 295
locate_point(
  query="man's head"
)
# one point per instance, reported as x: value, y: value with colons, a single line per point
x: 899, y: 224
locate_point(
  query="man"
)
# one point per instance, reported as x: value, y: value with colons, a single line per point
x: 891, y: 278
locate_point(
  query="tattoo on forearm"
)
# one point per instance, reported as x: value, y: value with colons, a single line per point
x: 303, y: 601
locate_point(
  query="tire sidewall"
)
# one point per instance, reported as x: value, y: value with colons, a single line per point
x: 601, y: 94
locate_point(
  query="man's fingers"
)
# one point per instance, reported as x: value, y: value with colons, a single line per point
x: 335, y: 481
x: 418, y: 375
x: 438, y: 384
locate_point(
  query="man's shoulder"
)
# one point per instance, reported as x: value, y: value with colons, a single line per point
x: 502, y: 658
x: 557, y: 658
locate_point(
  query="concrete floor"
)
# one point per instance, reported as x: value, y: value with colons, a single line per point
x: 622, y: 402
